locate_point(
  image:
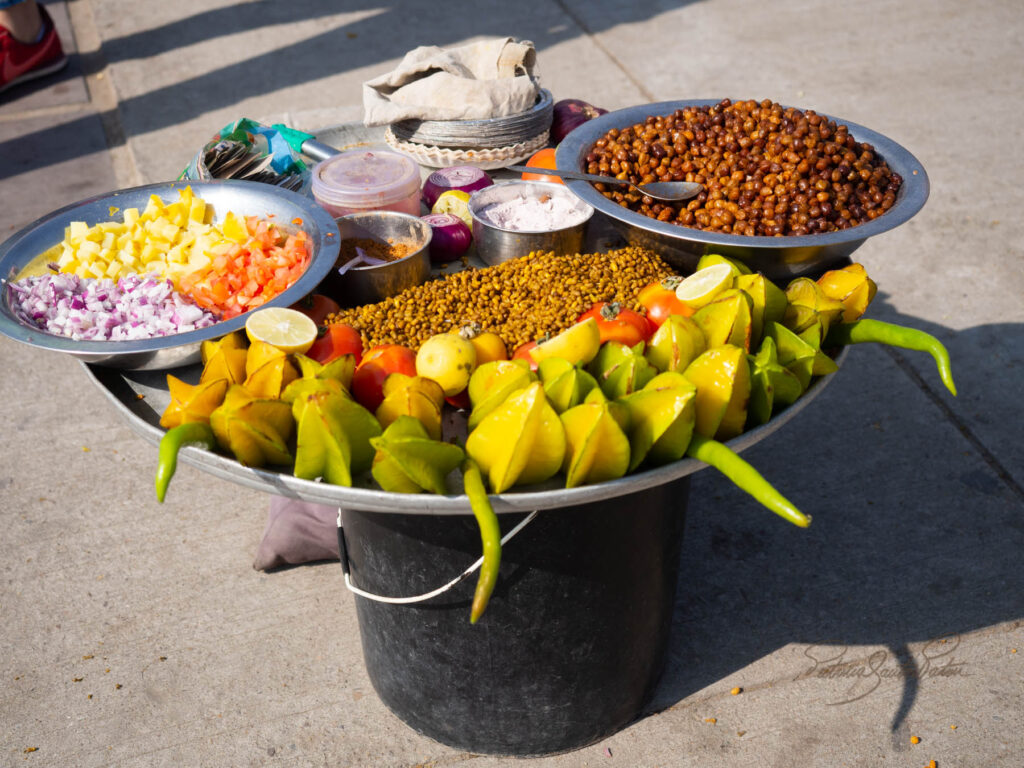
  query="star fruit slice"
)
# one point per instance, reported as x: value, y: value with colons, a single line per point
x: 772, y: 385
x: 577, y: 344
x: 722, y: 378
x: 675, y: 344
x: 596, y: 447
x: 333, y: 440
x: 255, y: 430
x: 520, y: 441
x: 192, y: 402
x: 416, y: 396
x: 565, y: 384
x: 621, y: 369
x: 851, y: 287
x: 661, y: 418
x: 407, y: 460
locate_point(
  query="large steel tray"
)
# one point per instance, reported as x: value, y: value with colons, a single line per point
x: 141, y: 396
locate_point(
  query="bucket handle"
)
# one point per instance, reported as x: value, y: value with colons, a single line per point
x: 343, y: 553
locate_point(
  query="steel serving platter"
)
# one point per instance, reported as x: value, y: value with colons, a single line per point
x: 141, y: 396
x: 241, y: 197
x: 778, y: 258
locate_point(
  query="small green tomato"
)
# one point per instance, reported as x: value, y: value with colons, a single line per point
x: 449, y: 360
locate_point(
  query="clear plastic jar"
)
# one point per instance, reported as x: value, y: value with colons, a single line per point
x: 367, y: 180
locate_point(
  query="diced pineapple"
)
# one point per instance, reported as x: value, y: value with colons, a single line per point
x: 131, y: 216
x: 77, y: 230
x: 154, y: 208
x: 87, y: 249
x: 234, y: 228
x: 197, y: 210
x: 176, y: 213
x: 113, y: 271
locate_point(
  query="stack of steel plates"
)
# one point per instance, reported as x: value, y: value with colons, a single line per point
x: 493, y: 142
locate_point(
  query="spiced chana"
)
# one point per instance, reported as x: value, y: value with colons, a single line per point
x: 520, y: 300
x: 767, y: 170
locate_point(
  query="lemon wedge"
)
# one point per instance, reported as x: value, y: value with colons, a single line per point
x: 703, y: 285
x: 286, y: 329
x: 455, y: 202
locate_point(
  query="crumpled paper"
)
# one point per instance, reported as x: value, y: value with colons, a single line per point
x: 491, y: 78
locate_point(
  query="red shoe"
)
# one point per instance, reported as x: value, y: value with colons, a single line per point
x: 25, y: 61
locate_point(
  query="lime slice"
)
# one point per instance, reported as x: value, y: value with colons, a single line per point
x: 286, y: 329
x: 703, y: 285
x: 455, y: 202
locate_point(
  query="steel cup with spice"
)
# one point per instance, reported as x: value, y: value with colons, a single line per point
x: 513, y: 218
x: 399, y: 240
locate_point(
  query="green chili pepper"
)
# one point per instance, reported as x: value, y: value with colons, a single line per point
x: 865, y: 330
x: 490, y: 535
x: 746, y: 478
x: 191, y: 433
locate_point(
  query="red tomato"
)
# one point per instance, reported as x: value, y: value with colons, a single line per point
x: 317, y: 307
x: 618, y: 323
x: 336, y: 340
x: 523, y: 353
x: 659, y: 299
x: 544, y: 158
x: 379, y: 363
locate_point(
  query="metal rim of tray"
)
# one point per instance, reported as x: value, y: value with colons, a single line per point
x: 544, y: 496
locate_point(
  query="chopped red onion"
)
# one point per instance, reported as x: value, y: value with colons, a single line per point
x: 136, y: 307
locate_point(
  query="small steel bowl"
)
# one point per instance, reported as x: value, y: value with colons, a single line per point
x: 495, y: 244
x: 290, y: 210
x: 778, y: 258
x: 368, y: 285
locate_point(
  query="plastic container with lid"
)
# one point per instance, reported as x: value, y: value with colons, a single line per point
x: 367, y: 180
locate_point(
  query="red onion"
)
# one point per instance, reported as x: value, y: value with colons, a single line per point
x: 468, y: 178
x: 137, y: 307
x: 570, y: 114
x: 451, y: 237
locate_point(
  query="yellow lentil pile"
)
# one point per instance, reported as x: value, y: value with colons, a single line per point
x: 520, y: 300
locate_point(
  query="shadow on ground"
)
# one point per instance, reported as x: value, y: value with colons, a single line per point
x: 915, y: 543
x: 383, y: 34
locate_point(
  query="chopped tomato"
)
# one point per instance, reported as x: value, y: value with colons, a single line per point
x: 659, y: 299
x: 249, y: 274
x: 377, y: 364
x: 335, y: 340
x: 618, y: 323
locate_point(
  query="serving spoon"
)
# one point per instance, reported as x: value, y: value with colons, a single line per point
x: 666, y: 191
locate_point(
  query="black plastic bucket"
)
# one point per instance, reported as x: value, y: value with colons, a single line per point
x: 573, y: 640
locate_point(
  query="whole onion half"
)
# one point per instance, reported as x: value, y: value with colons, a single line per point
x: 468, y: 178
x: 570, y: 114
x: 451, y: 237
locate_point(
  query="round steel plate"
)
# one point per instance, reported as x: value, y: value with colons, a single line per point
x: 777, y: 257
x: 241, y: 197
x: 123, y: 389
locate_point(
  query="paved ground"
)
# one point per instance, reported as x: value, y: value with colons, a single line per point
x: 139, y: 635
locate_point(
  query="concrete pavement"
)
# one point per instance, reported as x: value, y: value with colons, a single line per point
x: 135, y: 634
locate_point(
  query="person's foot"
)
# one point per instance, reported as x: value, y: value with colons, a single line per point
x: 25, y: 61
